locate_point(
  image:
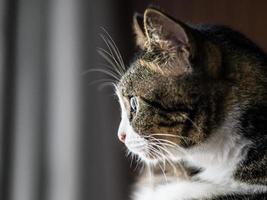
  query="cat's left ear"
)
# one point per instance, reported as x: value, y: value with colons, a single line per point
x: 172, y: 42
x: 159, y: 26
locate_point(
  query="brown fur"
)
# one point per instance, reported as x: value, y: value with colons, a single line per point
x: 188, y: 79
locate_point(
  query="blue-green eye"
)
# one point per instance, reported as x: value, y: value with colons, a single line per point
x: 134, y: 104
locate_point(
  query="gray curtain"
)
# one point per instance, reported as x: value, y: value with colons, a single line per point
x: 58, y: 133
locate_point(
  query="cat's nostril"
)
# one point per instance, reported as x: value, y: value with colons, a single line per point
x: 122, y: 137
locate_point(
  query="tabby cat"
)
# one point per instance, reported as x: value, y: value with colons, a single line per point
x: 194, y: 111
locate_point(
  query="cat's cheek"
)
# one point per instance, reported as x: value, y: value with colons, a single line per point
x: 134, y: 143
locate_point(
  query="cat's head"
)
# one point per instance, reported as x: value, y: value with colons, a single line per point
x: 168, y: 94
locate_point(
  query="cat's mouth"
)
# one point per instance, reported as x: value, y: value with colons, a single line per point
x: 137, y: 145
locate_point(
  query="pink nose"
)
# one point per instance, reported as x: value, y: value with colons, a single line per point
x: 122, y: 137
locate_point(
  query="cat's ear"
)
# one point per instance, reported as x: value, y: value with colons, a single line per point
x: 138, y: 28
x: 170, y: 42
x: 159, y: 26
x: 172, y: 45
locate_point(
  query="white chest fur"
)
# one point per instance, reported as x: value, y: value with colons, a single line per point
x: 215, y: 179
x: 178, y: 191
x: 184, y: 190
x: 218, y: 157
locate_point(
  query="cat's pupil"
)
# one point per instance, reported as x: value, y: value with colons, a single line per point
x: 133, y: 102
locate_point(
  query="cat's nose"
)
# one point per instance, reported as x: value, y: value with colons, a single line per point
x: 122, y: 137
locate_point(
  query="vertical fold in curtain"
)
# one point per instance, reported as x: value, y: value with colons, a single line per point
x: 8, y: 21
x: 63, y: 99
x: 40, y: 128
x: 28, y: 115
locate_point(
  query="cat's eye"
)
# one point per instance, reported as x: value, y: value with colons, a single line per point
x: 134, y: 104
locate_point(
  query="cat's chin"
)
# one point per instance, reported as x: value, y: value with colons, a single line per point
x: 147, y: 151
x: 151, y: 160
x: 146, y: 157
x: 143, y: 154
x: 140, y: 149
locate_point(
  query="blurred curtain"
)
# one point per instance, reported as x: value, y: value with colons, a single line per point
x: 40, y: 106
x: 58, y: 135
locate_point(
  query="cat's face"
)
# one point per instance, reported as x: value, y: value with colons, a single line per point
x: 167, y: 94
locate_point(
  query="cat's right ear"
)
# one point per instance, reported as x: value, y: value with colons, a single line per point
x: 139, y: 31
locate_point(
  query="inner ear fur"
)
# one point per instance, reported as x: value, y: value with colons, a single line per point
x: 170, y: 38
x: 159, y: 26
x: 138, y: 28
x: 177, y: 40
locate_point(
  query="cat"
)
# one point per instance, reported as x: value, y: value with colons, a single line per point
x: 194, y: 111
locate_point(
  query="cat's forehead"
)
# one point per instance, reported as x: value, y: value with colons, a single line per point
x: 138, y: 78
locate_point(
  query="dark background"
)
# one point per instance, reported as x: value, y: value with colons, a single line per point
x: 58, y: 136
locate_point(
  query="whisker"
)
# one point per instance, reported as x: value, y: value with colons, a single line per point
x: 173, y: 165
x: 111, y: 68
x: 106, y: 57
x: 158, y: 145
x: 138, y: 161
x: 103, y: 80
x: 151, y: 153
x: 185, y: 139
x: 170, y: 162
x: 104, y: 72
x: 112, y: 49
x: 163, y: 170
x: 170, y: 135
x: 158, y: 140
x: 150, y: 136
x: 120, y: 73
x: 112, y: 57
x: 192, y: 122
x: 168, y: 143
x: 150, y: 172
x: 161, y: 146
x: 132, y: 158
x: 115, y: 48
x: 103, y: 85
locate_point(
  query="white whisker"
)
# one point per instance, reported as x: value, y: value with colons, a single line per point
x: 108, y: 59
x: 116, y: 50
x: 192, y: 122
x: 113, y: 58
x: 105, y: 72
